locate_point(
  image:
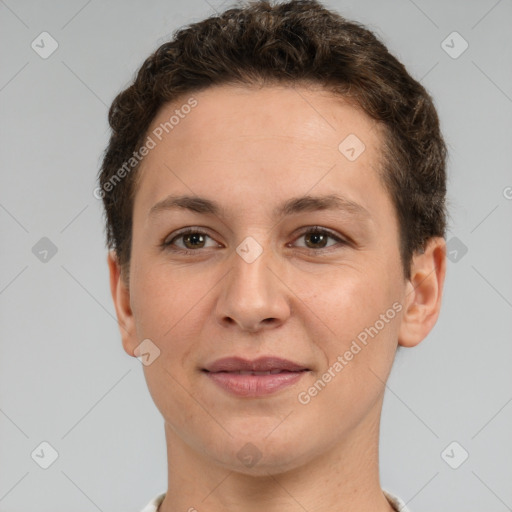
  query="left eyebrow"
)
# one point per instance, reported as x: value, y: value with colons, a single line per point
x: 291, y: 206
x: 313, y: 203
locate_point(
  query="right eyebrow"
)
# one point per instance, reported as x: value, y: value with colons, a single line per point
x: 193, y: 203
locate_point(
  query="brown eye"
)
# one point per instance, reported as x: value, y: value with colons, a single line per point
x: 317, y: 238
x: 188, y: 241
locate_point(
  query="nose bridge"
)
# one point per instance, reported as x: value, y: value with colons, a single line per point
x: 251, y: 267
x: 252, y: 294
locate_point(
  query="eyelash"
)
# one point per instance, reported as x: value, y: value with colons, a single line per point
x: 167, y: 245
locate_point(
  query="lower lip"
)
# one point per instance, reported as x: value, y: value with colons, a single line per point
x: 255, y: 385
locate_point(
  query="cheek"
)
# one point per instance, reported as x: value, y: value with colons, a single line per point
x: 360, y: 312
x: 172, y: 395
x: 348, y: 298
x: 358, y: 350
x: 170, y: 308
x: 161, y: 298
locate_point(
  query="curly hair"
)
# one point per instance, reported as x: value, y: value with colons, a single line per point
x: 296, y: 42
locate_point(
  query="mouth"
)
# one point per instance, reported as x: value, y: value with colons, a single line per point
x: 261, y: 365
x: 249, y: 372
x: 257, y: 378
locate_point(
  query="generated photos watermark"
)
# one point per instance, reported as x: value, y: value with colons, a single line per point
x: 306, y: 396
x: 151, y: 142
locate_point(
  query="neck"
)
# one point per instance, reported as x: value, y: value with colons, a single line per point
x: 342, y: 478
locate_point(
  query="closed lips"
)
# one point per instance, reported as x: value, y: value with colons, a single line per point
x: 268, y: 365
x: 254, y: 379
x: 249, y: 372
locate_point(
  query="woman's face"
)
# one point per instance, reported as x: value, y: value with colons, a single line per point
x: 302, y: 283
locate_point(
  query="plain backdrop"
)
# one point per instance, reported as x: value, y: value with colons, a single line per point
x: 64, y: 377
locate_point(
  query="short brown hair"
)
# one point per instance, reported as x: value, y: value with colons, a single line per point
x: 299, y: 41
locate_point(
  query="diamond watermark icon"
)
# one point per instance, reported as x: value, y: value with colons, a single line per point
x: 454, y: 45
x: 44, y: 45
x: 455, y: 249
x: 249, y: 250
x: 351, y: 147
x: 44, y: 455
x: 454, y: 455
x: 44, y: 250
x: 146, y: 352
x: 249, y: 455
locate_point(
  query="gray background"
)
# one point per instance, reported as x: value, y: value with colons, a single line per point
x: 64, y: 377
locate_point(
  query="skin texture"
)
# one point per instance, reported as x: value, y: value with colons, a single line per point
x: 304, y: 298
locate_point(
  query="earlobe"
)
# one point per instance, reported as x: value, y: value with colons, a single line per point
x: 121, y: 297
x: 424, y: 293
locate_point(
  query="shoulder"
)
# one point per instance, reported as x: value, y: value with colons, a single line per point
x: 153, y: 505
x: 397, y: 503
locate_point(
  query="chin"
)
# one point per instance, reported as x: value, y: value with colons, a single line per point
x: 256, y: 453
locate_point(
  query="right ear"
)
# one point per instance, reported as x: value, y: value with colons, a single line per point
x: 121, y: 297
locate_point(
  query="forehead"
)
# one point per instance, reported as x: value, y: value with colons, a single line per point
x: 298, y: 113
x: 239, y: 138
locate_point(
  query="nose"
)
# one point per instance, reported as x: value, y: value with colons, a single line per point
x: 253, y: 295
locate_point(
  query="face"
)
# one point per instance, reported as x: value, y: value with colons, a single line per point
x: 317, y: 281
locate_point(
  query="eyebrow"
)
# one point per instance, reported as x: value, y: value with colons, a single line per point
x: 291, y: 206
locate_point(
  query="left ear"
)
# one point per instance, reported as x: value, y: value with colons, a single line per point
x: 424, y: 293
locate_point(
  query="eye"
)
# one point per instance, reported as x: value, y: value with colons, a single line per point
x: 316, y: 238
x: 192, y: 240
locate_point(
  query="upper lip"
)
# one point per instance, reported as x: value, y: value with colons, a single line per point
x: 262, y: 364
